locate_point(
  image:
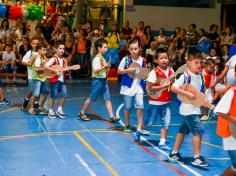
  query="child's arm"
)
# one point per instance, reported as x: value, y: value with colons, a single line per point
x: 122, y: 70
x: 182, y: 92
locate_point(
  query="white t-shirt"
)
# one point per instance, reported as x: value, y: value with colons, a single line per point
x: 8, y: 57
x: 96, y: 64
x: 196, y: 82
x: 230, y: 78
x: 136, y: 86
x: 50, y: 63
x: 152, y: 78
x: 150, y: 51
x: 224, y: 107
x: 26, y: 58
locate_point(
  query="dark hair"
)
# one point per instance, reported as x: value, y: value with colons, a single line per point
x: 212, y: 26
x: 9, y: 45
x: 161, y: 50
x: 193, y: 53
x: 99, y: 43
x: 34, y: 38
x: 3, y: 22
x: 136, y: 39
x: 40, y: 46
x: 210, y: 62
x: 58, y: 43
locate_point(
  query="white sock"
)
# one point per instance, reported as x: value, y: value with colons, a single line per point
x: 27, y: 99
x: 195, y: 156
x: 50, y: 111
x: 174, y: 151
x: 162, y: 141
x: 36, y: 102
x: 59, y: 109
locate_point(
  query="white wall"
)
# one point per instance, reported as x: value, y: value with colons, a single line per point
x: 170, y: 17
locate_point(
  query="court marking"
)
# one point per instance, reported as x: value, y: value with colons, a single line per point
x: 138, y: 144
x: 90, y: 148
x: 90, y: 171
x: 151, y: 144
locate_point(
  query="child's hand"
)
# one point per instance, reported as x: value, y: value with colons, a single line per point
x: 190, y: 95
x: 166, y: 84
x: 59, y: 72
x: 131, y: 70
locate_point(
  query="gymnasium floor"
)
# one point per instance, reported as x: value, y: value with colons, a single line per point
x: 39, y: 146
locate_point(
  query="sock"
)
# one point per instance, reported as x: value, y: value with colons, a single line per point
x: 174, y: 151
x: 50, y: 111
x: 27, y: 99
x: 162, y: 141
x: 59, y: 109
x: 195, y: 156
x: 36, y: 102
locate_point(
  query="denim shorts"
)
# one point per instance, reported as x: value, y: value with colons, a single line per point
x: 232, y: 155
x: 191, y: 123
x: 40, y: 88
x: 31, y: 85
x: 158, y: 111
x: 99, y: 87
x: 137, y: 100
x: 58, y: 88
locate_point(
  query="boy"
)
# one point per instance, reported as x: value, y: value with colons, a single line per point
x: 160, y: 107
x: 227, y: 116
x: 191, y: 121
x: 27, y: 61
x: 3, y: 99
x: 132, y: 89
x: 99, y: 82
x: 57, y: 83
x: 40, y: 85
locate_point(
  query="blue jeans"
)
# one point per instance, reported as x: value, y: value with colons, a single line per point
x: 130, y: 100
x: 40, y: 88
x: 58, y: 88
x: 191, y: 123
x: 99, y: 86
x: 158, y: 111
x: 232, y: 155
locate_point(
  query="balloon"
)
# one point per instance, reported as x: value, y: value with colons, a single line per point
x: 35, y: 12
x: 3, y: 11
x: 15, y: 12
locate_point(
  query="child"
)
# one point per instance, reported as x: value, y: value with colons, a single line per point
x: 160, y: 107
x: 9, y: 60
x: 191, y: 121
x: 132, y: 89
x: 40, y: 85
x: 27, y: 61
x: 99, y: 83
x: 227, y: 116
x: 208, y: 73
x: 57, y: 83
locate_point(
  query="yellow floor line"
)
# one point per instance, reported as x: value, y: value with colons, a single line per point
x: 95, y: 153
x: 11, y: 109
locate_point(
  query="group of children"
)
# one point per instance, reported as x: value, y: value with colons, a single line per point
x: 37, y: 63
x: 132, y: 90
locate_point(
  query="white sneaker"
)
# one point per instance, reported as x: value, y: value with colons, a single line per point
x: 60, y: 114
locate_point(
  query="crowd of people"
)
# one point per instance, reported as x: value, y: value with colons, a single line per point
x: 209, y: 57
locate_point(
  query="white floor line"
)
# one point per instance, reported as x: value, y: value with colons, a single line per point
x: 52, y: 143
x: 106, y: 147
x: 90, y: 171
x: 218, y: 158
x: 156, y: 148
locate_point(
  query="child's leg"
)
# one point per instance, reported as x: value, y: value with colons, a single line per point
x: 139, y: 106
x: 85, y: 106
x: 43, y: 100
x: 127, y: 108
x: 109, y: 108
x: 231, y: 171
x: 197, y: 144
x: 1, y: 94
x: 178, y: 141
x: 165, y: 115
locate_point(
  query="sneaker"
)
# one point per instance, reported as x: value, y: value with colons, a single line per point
x: 164, y: 147
x: 175, y: 157
x: 4, y: 102
x: 200, y: 161
x: 52, y: 115
x: 137, y: 136
x: 36, y: 106
x: 144, y: 132
x: 60, y: 114
x: 25, y: 104
x: 127, y: 129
